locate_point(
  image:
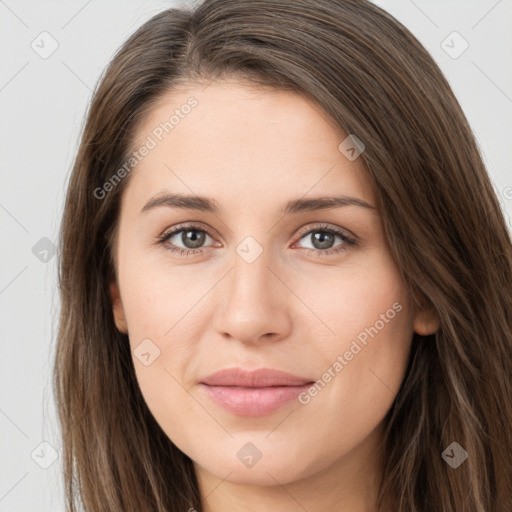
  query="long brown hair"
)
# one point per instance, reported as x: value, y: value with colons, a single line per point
x: 442, y: 221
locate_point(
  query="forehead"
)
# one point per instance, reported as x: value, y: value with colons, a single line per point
x: 229, y: 105
x: 242, y: 138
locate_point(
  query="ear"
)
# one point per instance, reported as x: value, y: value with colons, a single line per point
x: 117, y: 309
x: 426, y: 320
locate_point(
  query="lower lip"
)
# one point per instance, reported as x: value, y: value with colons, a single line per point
x: 253, y: 401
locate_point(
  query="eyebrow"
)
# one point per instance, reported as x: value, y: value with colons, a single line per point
x: 206, y: 204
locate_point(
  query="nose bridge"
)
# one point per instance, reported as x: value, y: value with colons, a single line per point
x: 254, y: 306
x: 251, y: 279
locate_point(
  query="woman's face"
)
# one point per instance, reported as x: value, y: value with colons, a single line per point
x: 259, y: 277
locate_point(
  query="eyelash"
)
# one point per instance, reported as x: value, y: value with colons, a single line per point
x: 347, y: 241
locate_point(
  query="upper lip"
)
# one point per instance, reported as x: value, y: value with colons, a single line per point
x: 260, y: 378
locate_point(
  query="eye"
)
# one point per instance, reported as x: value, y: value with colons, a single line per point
x: 322, y: 239
x: 191, y: 238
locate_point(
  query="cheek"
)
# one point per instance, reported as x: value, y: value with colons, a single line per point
x: 366, y: 325
x: 158, y: 299
x: 161, y: 352
x: 352, y: 300
x: 164, y: 312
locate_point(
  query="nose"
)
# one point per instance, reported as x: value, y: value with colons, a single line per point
x: 254, y: 304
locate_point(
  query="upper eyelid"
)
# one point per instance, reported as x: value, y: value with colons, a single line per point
x: 187, y: 225
x: 324, y: 226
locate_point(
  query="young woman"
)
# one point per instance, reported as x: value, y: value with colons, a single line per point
x: 285, y: 276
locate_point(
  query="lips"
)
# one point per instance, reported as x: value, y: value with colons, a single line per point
x: 253, y: 393
x: 264, y: 377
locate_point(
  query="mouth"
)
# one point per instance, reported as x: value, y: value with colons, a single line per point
x: 253, y: 393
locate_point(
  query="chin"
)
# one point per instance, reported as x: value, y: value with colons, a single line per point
x: 276, y: 464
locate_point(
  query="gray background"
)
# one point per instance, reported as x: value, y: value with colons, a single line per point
x: 43, y: 101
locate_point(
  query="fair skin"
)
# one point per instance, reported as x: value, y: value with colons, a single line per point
x: 296, y: 307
